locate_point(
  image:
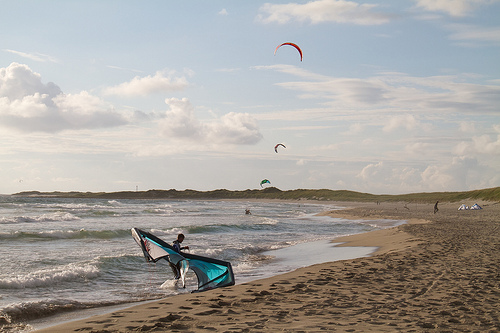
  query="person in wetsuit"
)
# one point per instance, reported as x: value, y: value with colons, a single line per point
x: 177, y: 244
x: 178, y: 248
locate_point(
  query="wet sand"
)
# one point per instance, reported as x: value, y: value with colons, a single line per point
x: 438, y: 273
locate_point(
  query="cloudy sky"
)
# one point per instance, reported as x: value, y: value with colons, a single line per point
x: 392, y: 96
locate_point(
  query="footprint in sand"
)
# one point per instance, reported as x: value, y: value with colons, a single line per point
x: 171, y: 317
x: 208, y: 313
x: 206, y: 328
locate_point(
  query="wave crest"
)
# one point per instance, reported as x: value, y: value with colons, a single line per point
x: 53, y: 217
x: 51, y: 277
x: 38, y: 309
x: 66, y: 234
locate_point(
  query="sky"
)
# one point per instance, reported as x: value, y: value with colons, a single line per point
x: 390, y: 97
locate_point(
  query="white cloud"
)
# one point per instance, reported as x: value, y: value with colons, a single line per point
x: 459, y: 173
x: 295, y: 71
x: 437, y: 178
x: 483, y: 144
x: 18, y: 81
x: 124, y: 69
x: 355, y: 128
x: 462, y: 172
x: 143, y: 86
x: 461, y: 148
x: 233, y: 128
x: 417, y: 148
x: 396, y: 91
x: 471, y: 33
x: 338, y: 11
x: 371, y: 171
x: 327, y: 147
x: 452, y: 7
x: 486, y: 145
x: 223, y: 12
x: 406, y: 122
x: 347, y: 90
x: 26, y: 104
x: 228, y: 70
x: 33, y: 56
x: 64, y: 180
x: 181, y: 121
x: 467, y: 127
x: 381, y: 177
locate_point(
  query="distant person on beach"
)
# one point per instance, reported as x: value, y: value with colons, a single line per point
x: 436, y: 207
x: 177, y: 243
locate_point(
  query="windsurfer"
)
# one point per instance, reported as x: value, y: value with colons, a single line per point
x: 177, y: 244
x: 176, y: 268
x: 211, y: 273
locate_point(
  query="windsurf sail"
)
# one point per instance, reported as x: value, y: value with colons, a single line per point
x: 211, y: 273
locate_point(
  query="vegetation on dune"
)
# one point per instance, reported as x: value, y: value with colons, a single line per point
x: 490, y: 194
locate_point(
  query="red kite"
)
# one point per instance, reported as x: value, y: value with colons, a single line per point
x: 291, y: 44
x: 276, y: 147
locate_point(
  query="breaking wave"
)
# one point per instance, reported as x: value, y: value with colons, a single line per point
x: 267, y: 224
x: 66, y: 234
x: 51, y: 277
x: 53, y: 217
x: 43, y: 308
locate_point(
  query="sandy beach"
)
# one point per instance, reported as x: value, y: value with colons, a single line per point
x: 437, y: 273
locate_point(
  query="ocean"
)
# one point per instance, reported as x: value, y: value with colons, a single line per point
x: 63, y: 255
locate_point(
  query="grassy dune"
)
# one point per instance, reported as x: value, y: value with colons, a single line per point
x: 490, y: 194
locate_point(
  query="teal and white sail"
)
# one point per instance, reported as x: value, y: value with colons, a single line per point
x: 211, y: 273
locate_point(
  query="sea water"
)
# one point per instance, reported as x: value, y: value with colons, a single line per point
x: 60, y: 255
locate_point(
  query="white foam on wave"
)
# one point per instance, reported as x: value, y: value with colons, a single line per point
x: 168, y: 232
x: 267, y: 221
x: 53, y: 234
x: 170, y: 284
x: 73, y: 206
x: 64, y: 234
x: 53, y: 217
x: 58, y: 234
x: 32, y: 311
x: 244, y: 267
x: 51, y: 277
x: 165, y: 211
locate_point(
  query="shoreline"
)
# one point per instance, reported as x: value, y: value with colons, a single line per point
x: 442, y: 274
x: 287, y: 254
